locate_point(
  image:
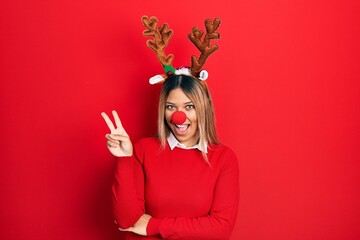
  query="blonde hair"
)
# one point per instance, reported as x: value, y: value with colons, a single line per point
x: 200, y: 96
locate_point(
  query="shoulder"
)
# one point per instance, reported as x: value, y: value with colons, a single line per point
x: 221, y: 149
x: 223, y: 155
x: 148, y: 141
x: 147, y: 146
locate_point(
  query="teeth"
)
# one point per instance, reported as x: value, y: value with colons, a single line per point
x: 181, y: 128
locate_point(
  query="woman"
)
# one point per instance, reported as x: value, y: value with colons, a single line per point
x: 183, y: 184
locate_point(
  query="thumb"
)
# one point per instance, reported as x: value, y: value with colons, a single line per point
x: 125, y: 229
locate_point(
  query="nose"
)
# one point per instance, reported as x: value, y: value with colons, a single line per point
x: 178, y: 117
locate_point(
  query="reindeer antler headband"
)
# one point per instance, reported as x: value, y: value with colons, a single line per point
x: 162, y: 36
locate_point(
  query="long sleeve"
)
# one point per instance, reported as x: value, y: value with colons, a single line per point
x: 128, y: 191
x: 219, y: 222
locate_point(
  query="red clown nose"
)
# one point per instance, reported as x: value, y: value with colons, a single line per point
x: 178, y: 117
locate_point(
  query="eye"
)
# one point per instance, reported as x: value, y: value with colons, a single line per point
x: 170, y: 107
x: 190, y: 106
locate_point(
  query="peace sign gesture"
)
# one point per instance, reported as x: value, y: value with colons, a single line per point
x: 118, y: 142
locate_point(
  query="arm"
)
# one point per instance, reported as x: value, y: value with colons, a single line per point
x: 218, y: 224
x: 128, y: 191
x: 128, y: 186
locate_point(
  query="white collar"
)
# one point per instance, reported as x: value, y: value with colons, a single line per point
x: 173, y: 142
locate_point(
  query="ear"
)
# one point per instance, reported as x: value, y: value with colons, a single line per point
x: 203, y: 75
x: 156, y: 79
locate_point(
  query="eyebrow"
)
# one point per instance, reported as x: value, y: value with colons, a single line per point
x: 174, y: 103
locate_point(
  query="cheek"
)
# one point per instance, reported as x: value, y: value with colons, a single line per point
x: 168, y: 116
x: 192, y: 116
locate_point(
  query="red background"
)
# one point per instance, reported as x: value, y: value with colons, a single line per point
x: 285, y: 83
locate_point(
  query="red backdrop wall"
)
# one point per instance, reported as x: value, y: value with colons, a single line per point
x: 285, y: 83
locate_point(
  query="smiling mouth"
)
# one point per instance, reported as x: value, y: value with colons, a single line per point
x: 181, y: 129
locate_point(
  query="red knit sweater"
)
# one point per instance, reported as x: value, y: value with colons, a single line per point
x: 186, y: 197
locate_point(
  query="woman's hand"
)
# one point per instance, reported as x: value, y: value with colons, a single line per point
x: 140, y: 226
x: 118, y: 141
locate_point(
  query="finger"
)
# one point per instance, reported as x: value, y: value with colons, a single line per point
x: 117, y: 120
x: 118, y: 123
x: 112, y: 144
x: 125, y: 229
x: 108, y: 122
x: 117, y: 137
x: 113, y: 141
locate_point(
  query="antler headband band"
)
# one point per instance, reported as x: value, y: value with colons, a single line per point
x: 161, y: 37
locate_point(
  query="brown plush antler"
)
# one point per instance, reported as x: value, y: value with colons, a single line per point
x: 161, y: 36
x: 204, y: 47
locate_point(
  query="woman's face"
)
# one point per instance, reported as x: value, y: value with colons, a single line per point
x: 186, y: 133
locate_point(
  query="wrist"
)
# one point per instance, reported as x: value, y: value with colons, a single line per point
x: 153, y: 227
